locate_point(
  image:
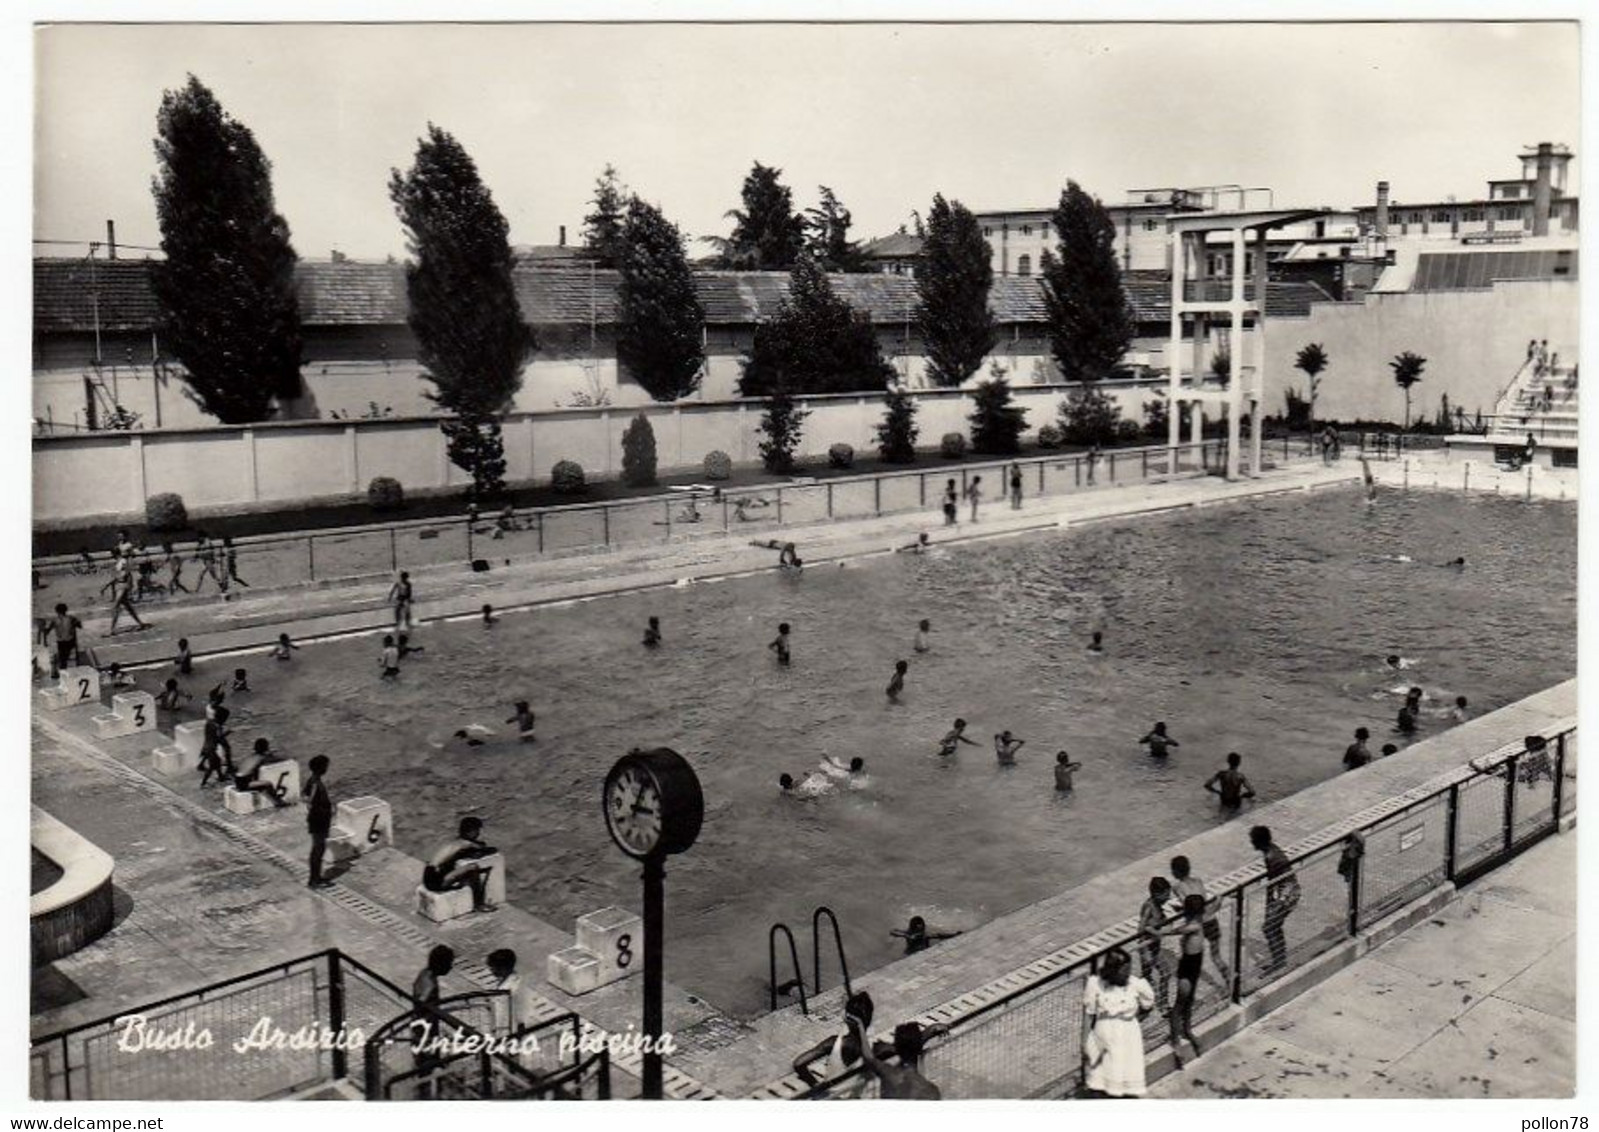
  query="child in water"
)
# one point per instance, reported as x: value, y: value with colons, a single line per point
x: 185, y: 659
x: 285, y: 647
x: 896, y: 685
x: 955, y: 737
x: 1064, y: 769
x: 923, y: 628
x: 918, y: 937
x: 1097, y: 644
x: 389, y: 659
x: 171, y: 696
x: 780, y: 646
x: 524, y: 721
x: 652, y: 633
x: 1005, y: 747
x: 241, y: 680
x: 1158, y: 742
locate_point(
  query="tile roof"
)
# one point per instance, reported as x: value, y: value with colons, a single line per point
x: 351, y: 293
x: 1458, y: 271
x: 899, y: 245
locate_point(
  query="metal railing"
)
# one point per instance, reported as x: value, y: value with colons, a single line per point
x: 1026, y: 1043
x: 303, y: 557
x: 344, y: 1017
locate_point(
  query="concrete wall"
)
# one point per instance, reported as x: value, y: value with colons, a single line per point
x: 1474, y: 341
x: 102, y: 474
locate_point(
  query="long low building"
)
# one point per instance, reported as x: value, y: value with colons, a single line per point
x: 96, y: 341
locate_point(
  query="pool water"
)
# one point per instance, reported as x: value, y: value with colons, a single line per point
x: 1257, y: 627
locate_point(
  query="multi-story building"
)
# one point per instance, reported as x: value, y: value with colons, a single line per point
x: 1536, y: 204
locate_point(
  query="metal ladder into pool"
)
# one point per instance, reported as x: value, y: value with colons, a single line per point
x: 797, y: 983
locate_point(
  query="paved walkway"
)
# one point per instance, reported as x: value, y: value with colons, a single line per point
x: 1478, y: 1000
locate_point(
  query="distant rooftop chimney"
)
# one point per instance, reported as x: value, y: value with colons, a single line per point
x: 563, y: 235
x: 1382, y: 210
x: 1540, y: 189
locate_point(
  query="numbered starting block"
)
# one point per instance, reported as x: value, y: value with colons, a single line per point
x: 131, y: 713
x: 457, y: 902
x: 183, y: 753
x: 610, y: 947
x: 284, y: 778
x: 360, y: 825
x: 79, y: 686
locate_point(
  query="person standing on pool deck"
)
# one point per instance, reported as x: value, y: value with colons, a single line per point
x: 1093, y: 461
x: 318, y: 817
x: 1114, y: 999
x: 122, y: 600
x: 954, y: 738
x: 65, y: 626
x: 1230, y: 785
x: 1151, y: 915
x: 231, y: 561
x: 1190, y: 962
x: 896, y: 684
x: 1158, y: 742
x: 1186, y: 884
x: 1015, y: 487
x: 174, y: 564
x: 974, y: 493
x: 780, y: 645
x: 950, y: 504
x: 1282, y: 896
x: 1005, y: 747
x: 400, y: 596
x: 1357, y: 754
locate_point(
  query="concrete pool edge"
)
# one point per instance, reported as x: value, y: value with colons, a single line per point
x: 76, y: 908
x: 958, y: 975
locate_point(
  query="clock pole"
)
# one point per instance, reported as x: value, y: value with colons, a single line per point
x: 654, y: 884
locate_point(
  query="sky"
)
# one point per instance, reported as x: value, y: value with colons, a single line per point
x: 996, y: 116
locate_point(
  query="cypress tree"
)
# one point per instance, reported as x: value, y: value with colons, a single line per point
x: 897, y: 432
x: 815, y: 343
x: 827, y: 235
x: 997, y: 425
x: 464, y: 312
x: 229, y: 310
x: 952, y: 286
x: 660, y: 330
x: 1091, y: 321
x: 767, y: 234
x: 602, y: 227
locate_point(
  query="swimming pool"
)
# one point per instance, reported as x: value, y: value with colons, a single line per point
x: 1256, y: 627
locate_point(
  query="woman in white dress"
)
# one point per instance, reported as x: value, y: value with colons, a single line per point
x: 1113, y: 1044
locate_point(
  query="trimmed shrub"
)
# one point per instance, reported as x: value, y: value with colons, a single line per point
x: 782, y: 424
x: 841, y: 456
x: 953, y: 446
x: 165, y: 512
x: 1128, y: 432
x: 567, y: 477
x: 384, y: 493
x: 1089, y: 416
x: 897, y: 432
x: 718, y: 465
x: 1049, y: 436
x: 638, y: 453
x: 997, y: 425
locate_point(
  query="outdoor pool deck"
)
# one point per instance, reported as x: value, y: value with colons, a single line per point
x: 1477, y: 1000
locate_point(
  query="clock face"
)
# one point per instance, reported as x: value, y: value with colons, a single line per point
x: 633, y: 809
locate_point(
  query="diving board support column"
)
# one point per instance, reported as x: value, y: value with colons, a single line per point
x: 1235, y: 359
x: 1258, y: 392
x: 1174, y: 360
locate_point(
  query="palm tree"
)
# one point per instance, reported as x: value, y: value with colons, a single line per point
x: 1407, y: 369
x: 1312, y: 359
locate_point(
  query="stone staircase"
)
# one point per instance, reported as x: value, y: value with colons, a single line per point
x: 1541, y: 401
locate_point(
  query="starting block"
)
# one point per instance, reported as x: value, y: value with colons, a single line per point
x: 131, y: 713
x: 284, y: 777
x: 79, y: 685
x: 359, y: 826
x: 610, y: 946
x: 183, y: 753
x: 457, y: 902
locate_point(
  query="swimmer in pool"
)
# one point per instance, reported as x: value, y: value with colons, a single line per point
x: 1371, y: 484
x: 854, y: 774
x: 524, y: 721
x: 1159, y: 743
x: 1097, y: 644
x: 1456, y: 563
x: 813, y: 785
x: 285, y: 648
x: 1064, y: 769
x: 1230, y: 785
x: 920, y: 546
x: 1389, y: 749
x: 652, y: 633
x: 1398, y: 663
x: 780, y: 645
x: 923, y: 628
x: 956, y: 736
x: 897, y: 684
x: 918, y: 936
x: 1005, y: 747
x: 1461, y: 711
x: 489, y: 619
x: 787, y: 557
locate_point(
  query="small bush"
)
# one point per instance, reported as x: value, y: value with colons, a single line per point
x: 384, y: 493
x: 953, y: 446
x: 165, y: 512
x: 896, y: 434
x: 638, y: 453
x: 1049, y: 436
x: 782, y: 424
x: 841, y: 456
x: 718, y: 465
x: 567, y: 477
x: 1127, y: 432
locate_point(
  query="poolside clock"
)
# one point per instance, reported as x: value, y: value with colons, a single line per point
x: 653, y: 808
